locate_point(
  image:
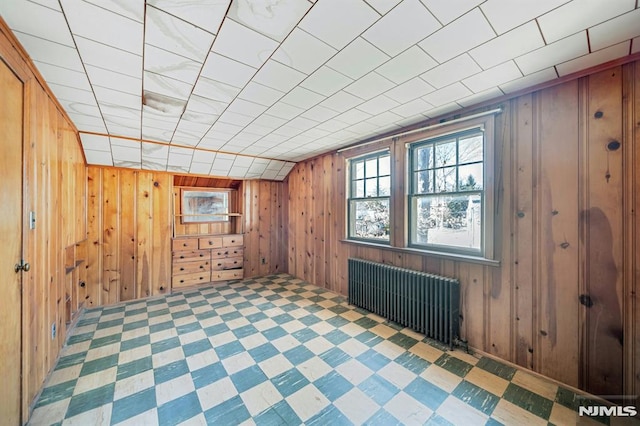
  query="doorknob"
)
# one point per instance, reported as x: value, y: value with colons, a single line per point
x: 22, y: 266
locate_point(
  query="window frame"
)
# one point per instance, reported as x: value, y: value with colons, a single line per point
x: 351, y: 200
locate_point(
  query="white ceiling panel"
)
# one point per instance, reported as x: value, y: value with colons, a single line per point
x: 516, y: 42
x: 355, y: 16
x: 238, y: 42
x: 410, y: 90
x: 447, y: 11
x: 234, y: 118
x: 447, y: 94
x: 108, y: 57
x: 326, y: 81
x: 407, y: 65
x: 476, y: 98
x: 215, y: 90
x: 260, y: 94
x: 200, y: 168
x: 114, y: 97
x: 117, y: 110
x: 104, y: 26
x: 275, y: 19
x: 175, y: 35
x: 615, y: 31
x: 454, y: 70
x: 63, y: 76
x: 37, y: 20
x: 353, y: 116
x: 410, y: 109
x: 454, y: 39
x: 319, y: 113
x: 114, y: 80
x: 166, y: 86
x: 51, y: 53
x: 507, y: 14
x: 577, y: 15
x: 635, y: 46
x: 155, y: 151
x: 227, y: 70
x: 383, y: 6
x: 98, y: 158
x: 341, y: 101
x: 72, y: 94
x: 206, y: 14
x: 357, y: 59
x: 493, y: 77
x: 130, y: 9
x: 278, y: 76
x: 95, y: 142
x: 555, y: 53
x: 121, y: 153
x: 405, y: 25
x: 168, y: 64
x: 303, y: 52
x: 242, y: 106
x: 529, y: 80
x: 302, y: 98
x: 593, y: 59
x: 369, y: 86
x: 443, y: 109
x: 378, y: 105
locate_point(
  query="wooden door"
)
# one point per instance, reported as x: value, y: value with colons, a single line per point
x: 11, y: 108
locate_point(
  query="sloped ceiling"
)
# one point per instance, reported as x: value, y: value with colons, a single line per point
x: 246, y: 88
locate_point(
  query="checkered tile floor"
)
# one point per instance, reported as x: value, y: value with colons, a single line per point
x: 277, y: 351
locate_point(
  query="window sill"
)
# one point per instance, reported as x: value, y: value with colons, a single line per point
x: 427, y: 253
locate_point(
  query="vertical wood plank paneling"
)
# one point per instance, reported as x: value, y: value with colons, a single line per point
x: 95, y: 237
x: 110, y: 237
x: 161, y: 249
x: 144, y: 232
x: 128, y: 208
x: 265, y: 227
x: 632, y: 230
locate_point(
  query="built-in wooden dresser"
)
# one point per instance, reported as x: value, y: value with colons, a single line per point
x: 203, y: 259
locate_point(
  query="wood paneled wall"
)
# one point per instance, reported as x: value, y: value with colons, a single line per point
x: 54, y: 188
x: 566, y: 234
x: 129, y: 234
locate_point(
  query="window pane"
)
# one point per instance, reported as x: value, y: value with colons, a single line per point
x: 423, y: 158
x: 445, y: 180
x: 448, y: 221
x: 371, y: 168
x: 470, y: 177
x: 370, y: 219
x: 423, y: 182
x: 358, y: 169
x: 384, y: 164
x: 371, y: 187
x: 385, y: 186
x: 358, y: 189
x: 471, y: 149
x: 445, y: 153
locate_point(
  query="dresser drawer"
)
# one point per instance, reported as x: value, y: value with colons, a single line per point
x: 209, y: 243
x: 191, y: 255
x: 181, y: 268
x: 232, y: 240
x: 226, y: 252
x: 185, y: 244
x: 226, y: 263
x: 187, y: 280
x: 231, y: 274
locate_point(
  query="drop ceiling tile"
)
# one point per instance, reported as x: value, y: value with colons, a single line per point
x: 200, y: 168
x: 154, y: 165
x: 215, y: 90
x: 266, y: 122
x: 207, y: 14
x: 37, y: 20
x: 122, y: 130
x: 506, y: 14
x: 51, y: 53
x: 615, y: 31
x: 225, y: 70
x: 410, y: 109
x: 235, y: 118
x: 203, y: 156
x: 579, y: 15
x: 369, y: 86
x: 302, y: 98
x: 555, y: 53
x: 273, y: 139
x: 95, y: 142
x: 154, y: 151
x: 199, y: 117
x: 156, y: 121
x: 447, y: 94
x: 443, y: 110
x: 454, y: 39
x: 357, y: 59
x: 130, y: 9
x: 332, y: 125
x: 87, y: 122
x: 184, y: 139
x: 121, y: 153
x: 405, y: 25
x: 206, y: 106
x: 155, y: 134
x: 303, y: 52
x: 451, y: 71
x: 287, y: 131
x: 407, y: 65
x: 72, y: 94
x: 410, y: 90
x: 596, y: 58
x: 192, y: 129
x: 157, y: 83
x: 378, y: 105
x: 168, y: 64
x: 384, y: 119
x: 211, y: 143
x: 353, y: 116
x: 243, y: 44
x: 245, y: 107
x: 114, y: 80
x: 260, y: 94
x: 108, y: 57
x: 493, y: 77
x: 450, y: 10
x: 326, y: 81
x: 341, y: 101
x: 487, y: 95
x: 116, y: 110
x: 529, y: 80
x: 98, y: 158
x: 176, y: 150
x: 319, y: 113
x: 177, y: 169
x: 355, y: 16
x: 63, y: 76
x: 285, y: 111
x: 509, y: 45
x: 221, y: 129
x: 238, y: 172
x: 177, y: 36
x: 363, y: 129
x: 101, y: 25
x: 162, y: 107
x: 243, y: 161
x: 278, y: 76
x: 114, y: 97
x: 273, y: 19
x: 302, y: 123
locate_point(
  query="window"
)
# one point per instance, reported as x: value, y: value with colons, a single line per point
x: 369, y: 191
x: 447, y: 199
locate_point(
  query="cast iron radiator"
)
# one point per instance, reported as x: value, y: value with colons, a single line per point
x: 426, y: 303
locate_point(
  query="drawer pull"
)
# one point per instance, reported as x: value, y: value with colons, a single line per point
x: 201, y: 266
x: 219, y: 264
x: 201, y: 255
x: 181, y: 281
x: 210, y: 243
x: 182, y: 269
x: 181, y: 257
x: 184, y: 244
